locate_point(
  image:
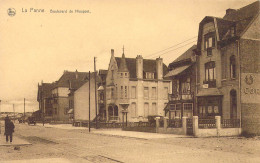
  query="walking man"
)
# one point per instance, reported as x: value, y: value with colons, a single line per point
x: 9, y: 129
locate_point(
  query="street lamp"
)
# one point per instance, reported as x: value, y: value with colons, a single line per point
x: 100, y: 90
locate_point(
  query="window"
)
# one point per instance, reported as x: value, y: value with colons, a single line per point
x: 133, y: 110
x: 125, y: 74
x: 133, y: 92
x: 187, y: 109
x: 185, y: 86
x: 178, y: 86
x: 146, y: 109
x: 112, y: 92
x: 209, y: 42
x: 125, y: 91
x: 122, y: 91
x: 165, y: 94
x: 175, y: 111
x: 146, y: 93
x: 209, y: 107
x: 149, y: 75
x: 210, y: 74
x: 232, y: 67
x: 153, y: 92
x: 154, y: 109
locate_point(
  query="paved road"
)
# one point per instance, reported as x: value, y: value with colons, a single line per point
x: 81, y: 146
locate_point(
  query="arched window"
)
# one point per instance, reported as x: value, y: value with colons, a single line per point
x: 233, y: 104
x: 232, y: 67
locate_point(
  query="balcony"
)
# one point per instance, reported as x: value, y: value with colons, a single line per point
x: 210, y: 83
x: 182, y: 96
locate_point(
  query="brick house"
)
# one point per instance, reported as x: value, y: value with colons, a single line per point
x: 227, y: 65
x: 135, y: 88
x: 182, y: 73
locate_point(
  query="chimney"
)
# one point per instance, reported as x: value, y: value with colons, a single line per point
x: 112, y: 52
x: 159, y: 68
x: 229, y: 11
x: 139, y: 67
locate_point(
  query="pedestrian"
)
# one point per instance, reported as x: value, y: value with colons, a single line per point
x: 9, y: 129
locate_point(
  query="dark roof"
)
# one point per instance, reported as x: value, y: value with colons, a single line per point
x: 240, y: 19
x: 245, y: 12
x: 122, y: 66
x: 184, y: 58
x: 71, y: 76
x: 149, y: 65
x: 44, y: 90
x: 243, y: 16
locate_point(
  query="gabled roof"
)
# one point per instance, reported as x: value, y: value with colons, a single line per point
x: 149, y: 65
x: 71, y: 76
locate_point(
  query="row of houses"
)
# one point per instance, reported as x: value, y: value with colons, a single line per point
x: 219, y: 76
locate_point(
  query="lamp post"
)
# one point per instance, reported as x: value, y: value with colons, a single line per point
x: 100, y: 90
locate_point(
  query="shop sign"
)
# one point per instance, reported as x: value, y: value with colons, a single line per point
x: 250, y: 88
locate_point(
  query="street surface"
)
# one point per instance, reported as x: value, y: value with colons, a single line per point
x: 57, y: 144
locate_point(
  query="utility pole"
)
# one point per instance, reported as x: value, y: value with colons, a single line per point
x: 43, y: 114
x: 14, y: 112
x: 95, y: 89
x: 24, y: 110
x: 89, y: 102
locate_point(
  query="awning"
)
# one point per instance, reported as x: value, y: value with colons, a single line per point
x: 70, y: 111
x: 209, y: 92
x: 177, y: 71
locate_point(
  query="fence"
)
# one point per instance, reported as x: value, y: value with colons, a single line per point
x: 230, y: 123
x: 140, y: 124
x: 207, y: 123
x: 175, y: 123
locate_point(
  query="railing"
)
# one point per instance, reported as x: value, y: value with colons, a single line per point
x: 211, y: 83
x: 180, y: 96
x: 140, y: 124
x: 230, y: 123
x: 175, y: 123
x: 113, y: 118
x: 110, y: 125
x: 207, y: 123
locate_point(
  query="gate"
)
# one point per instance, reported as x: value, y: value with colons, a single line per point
x: 189, y: 126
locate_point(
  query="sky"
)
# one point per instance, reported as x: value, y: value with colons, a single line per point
x: 39, y: 46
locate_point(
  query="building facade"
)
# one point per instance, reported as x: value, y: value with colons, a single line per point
x: 135, y: 88
x: 228, y: 59
x: 182, y: 72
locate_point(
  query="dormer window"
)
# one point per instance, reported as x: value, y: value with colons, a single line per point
x: 149, y: 75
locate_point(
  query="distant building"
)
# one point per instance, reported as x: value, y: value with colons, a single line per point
x: 228, y: 67
x: 60, y: 94
x: 44, y: 97
x: 135, y: 88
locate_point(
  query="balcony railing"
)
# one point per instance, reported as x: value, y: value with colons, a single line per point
x: 113, y: 118
x: 211, y: 83
x: 181, y: 96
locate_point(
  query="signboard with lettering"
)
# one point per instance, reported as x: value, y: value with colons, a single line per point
x: 250, y: 88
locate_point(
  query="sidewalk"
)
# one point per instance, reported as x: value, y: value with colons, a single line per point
x: 16, y: 141
x: 135, y: 134
x: 117, y: 132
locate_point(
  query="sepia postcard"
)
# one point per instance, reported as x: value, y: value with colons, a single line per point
x: 129, y: 81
